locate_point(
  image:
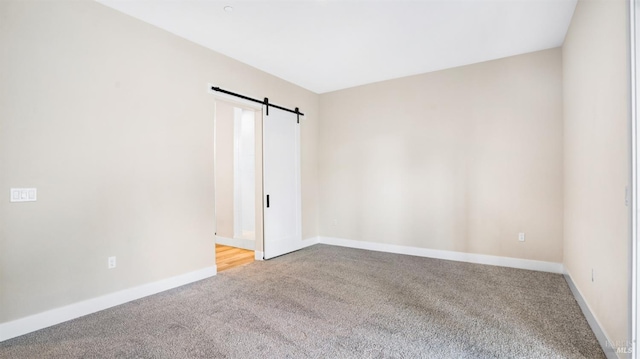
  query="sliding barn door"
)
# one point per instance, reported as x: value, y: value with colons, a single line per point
x: 282, y: 203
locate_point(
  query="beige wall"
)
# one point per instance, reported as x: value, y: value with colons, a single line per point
x: 596, y: 95
x: 460, y: 159
x: 110, y: 119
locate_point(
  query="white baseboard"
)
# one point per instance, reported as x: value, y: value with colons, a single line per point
x: 608, y: 349
x: 448, y: 255
x: 248, y: 244
x: 51, y: 317
x: 259, y: 256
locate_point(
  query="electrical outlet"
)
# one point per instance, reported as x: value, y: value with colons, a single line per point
x: 334, y: 223
x: 111, y: 262
x: 521, y: 237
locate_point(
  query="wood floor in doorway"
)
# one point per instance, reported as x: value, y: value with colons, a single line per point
x: 231, y: 257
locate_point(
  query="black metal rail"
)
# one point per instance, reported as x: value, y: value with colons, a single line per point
x: 264, y: 102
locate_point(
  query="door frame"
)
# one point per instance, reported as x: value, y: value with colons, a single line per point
x: 259, y: 233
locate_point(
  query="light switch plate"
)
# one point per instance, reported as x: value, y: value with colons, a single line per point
x: 24, y: 195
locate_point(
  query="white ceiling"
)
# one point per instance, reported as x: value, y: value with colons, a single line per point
x: 325, y: 45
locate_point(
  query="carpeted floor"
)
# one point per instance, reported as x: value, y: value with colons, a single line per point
x: 333, y: 302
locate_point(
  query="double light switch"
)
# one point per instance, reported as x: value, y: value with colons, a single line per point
x: 24, y: 195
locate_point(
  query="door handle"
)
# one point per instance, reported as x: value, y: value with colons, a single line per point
x: 267, y: 201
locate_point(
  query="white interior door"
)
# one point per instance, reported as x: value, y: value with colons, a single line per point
x: 282, y: 202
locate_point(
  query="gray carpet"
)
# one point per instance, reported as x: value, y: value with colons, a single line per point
x: 333, y: 302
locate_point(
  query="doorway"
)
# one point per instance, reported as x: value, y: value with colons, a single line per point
x: 238, y: 184
x: 257, y: 147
